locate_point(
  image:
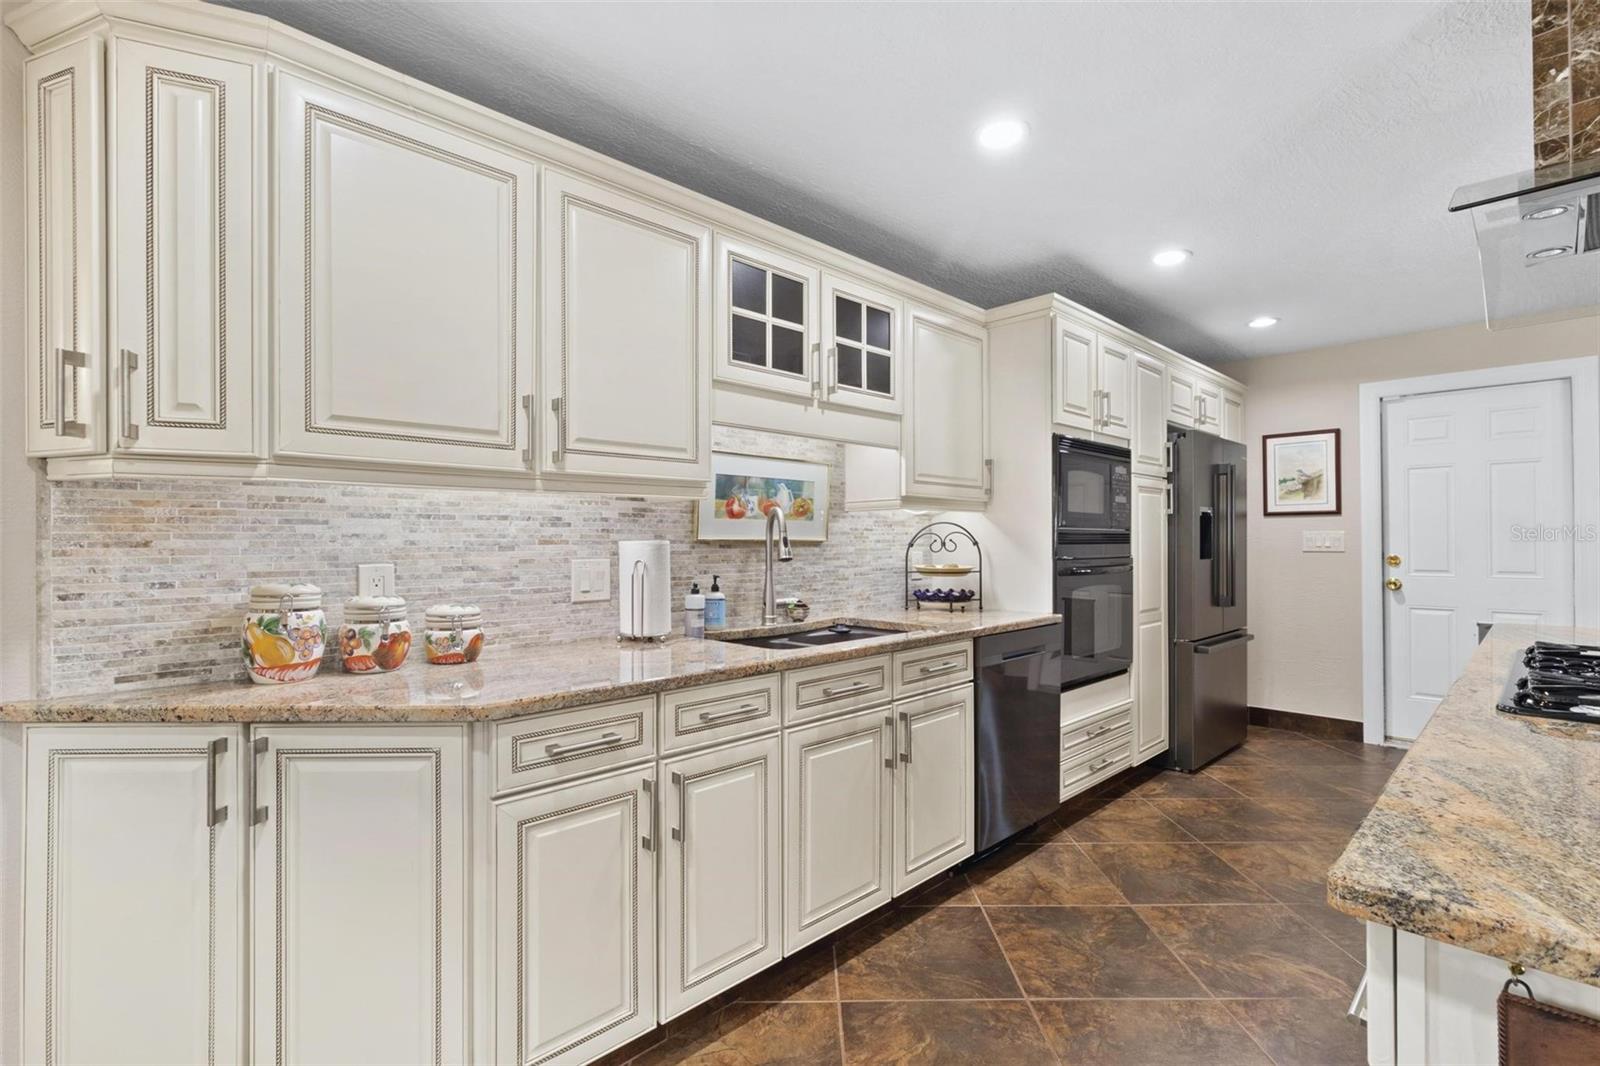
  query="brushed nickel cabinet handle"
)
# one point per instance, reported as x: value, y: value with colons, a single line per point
x: 677, y: 783
x: 940, y: 668
x: 215, y: 815
x: 842, y: 690
x: 647, y: 841
x: 888, y: 749
x: 556, y: 455
x: 604, y: 740
x: 66, y: 357
x: 1096, y: 767
x: 744, y: 710
x: 905, y: 720
x: 527, y: 449
x: 1099, y: 732
x: 258, y: 815
x: 130, y: 363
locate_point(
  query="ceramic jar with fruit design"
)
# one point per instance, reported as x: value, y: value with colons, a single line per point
x: 454, y: 633
x: 375, y: 636
x: 285, y: 631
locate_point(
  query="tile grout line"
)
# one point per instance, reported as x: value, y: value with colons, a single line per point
x: 838, y: 1000
x: 1248, y: 1035
x: 1021, y: 988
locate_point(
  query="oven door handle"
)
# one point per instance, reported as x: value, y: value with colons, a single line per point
x: 1080, y: 571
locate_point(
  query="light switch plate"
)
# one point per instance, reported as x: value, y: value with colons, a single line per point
x: 374, y: 579
x: 591, y: 580
x: 1322, y: 540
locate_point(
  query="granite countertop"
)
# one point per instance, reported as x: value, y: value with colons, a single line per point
x: 1488, y: 834
x: 510, y: 681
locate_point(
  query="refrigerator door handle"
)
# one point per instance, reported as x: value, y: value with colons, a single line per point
x: 1207, y: 649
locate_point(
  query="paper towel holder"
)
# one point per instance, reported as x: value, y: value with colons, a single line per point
x: 641, y: 571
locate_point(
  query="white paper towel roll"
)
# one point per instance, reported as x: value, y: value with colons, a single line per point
x: 652, y: 617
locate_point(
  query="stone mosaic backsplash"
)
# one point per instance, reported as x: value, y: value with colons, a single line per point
x: 144, y: 581
x: 1566, y: 81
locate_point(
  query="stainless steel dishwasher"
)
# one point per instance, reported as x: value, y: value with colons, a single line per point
x: 1019, y: 731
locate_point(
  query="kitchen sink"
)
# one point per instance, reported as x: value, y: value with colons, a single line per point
x: 815, y: 638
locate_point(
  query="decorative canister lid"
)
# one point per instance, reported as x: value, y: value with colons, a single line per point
x: 272, y: 597
x: 374, y: 608
x: 454, y: 616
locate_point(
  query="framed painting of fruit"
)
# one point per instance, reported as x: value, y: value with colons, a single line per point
x: 745, y: 487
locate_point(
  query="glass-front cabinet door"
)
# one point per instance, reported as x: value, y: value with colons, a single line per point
x: 766, y: 318
x: 861, y: 340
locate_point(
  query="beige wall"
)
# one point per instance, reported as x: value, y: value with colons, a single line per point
x: 1305, y: 609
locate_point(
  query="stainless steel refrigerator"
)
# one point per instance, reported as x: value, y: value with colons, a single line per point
x: 1206, y: 560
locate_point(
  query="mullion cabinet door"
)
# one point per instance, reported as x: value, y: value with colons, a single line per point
x: 359, y: 913
x: 766, y: 318
x: 863, y: 341
x: 185, y: 135
x: 404, y: 286
x: 63, y: 318
x: 133, y: 934
x: 721, y: 878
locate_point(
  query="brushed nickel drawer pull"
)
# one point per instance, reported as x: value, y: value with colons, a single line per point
x: 215, y: 815
x: 744, y: 710
x: 843, y: 690
x: 1096, y: 767
x: 258, y: 815
x: 1098, y: 732
x: 942, y: 668
x: 66, y: 357
x: 604, y: 740
x: 130, y: 364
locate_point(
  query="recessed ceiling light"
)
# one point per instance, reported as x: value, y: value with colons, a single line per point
x: 1262, y: 322
x: 1000, y: 134
x: 1546, y: 212
x: 1171, y: 257
x: 1551, y: 252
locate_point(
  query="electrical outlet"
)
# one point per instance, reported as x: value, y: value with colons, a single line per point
x: 591, y: 580
x: 374, y: 579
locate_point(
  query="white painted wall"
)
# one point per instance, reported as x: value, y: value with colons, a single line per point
x: 18, y: 500
x: 1310, y: 660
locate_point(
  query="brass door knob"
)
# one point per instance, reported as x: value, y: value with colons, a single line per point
x: 1392, y: 560
x: 1393, y: 584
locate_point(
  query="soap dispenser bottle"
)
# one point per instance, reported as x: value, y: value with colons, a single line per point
x: 694, y: 613
x: 716, y: 606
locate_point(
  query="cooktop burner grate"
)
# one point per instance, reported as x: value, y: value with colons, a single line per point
x: 1556, y: 681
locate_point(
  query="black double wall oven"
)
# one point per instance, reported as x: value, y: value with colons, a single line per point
x: 1093, y: 559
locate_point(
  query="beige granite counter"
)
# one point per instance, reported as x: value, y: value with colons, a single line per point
x: 1488, y: 834
x: 512, y: 681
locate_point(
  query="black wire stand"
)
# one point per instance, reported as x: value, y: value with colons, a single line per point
x: 941, y: 538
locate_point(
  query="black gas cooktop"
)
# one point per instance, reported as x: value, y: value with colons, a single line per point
x: 1555, y: 681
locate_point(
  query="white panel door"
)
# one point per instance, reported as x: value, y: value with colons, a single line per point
x: 133, y: 948
x: 933, y: 801
x: 575, y: 919
x: 1077, y: 402
x: 63, y: 391
x: 861, y: 337
x: 1478, y: 509
x: 1232, y: 416
x: 766, y: 318
x: 1182, y: 406
x: 1149, y: 443
x: 404, y: 286
x: 722, y: 870
x: 626, y: 359
x: 838, y: 785
x: 945, y: 430
x: 185, y: 134
x: 358, y: 934
x: 1114, y: 389
x: 1152, y: 733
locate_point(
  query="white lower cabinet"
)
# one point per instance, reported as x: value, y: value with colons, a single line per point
x: 575, y: 918
x: 721, y: 875
x: 933, y: 801
x: 838, y: 790
x: 132, y: 939
x: 1150, y: 651
x: 359, y: 894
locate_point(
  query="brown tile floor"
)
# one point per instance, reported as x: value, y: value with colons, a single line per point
x: 1165, y: 918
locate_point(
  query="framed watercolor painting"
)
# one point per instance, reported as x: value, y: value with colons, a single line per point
x: 745, y: 487
x: 1300, y: 473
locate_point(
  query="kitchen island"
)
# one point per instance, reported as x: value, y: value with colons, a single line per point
x: 1483, y: 851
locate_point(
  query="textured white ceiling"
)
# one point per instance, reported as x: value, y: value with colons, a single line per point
x: 1304, y: 151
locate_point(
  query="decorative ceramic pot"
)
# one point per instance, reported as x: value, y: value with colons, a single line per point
x: 453, y: 634
x: 285, y: 632
x: 375, y: 636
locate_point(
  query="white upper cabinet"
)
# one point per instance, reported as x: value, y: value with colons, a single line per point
x: 1208, y: 405
x: 766, y: 318
x: 64, y: 241
x: 186, y: 132
x: 625, y: 365
x: 404, y: 286
x: 945, y: 430
x: 1114, y: 381
x: 1232, y: 416
x: 861, y: 338
x: 1149, y: 443
x: 1182, y: 405
x: 1077, y: 402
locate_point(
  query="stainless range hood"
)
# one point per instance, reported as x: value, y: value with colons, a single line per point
x: 1539, y: 243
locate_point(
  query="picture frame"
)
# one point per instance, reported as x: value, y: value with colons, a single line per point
x: 746, y: 483
x: 1300, y: 473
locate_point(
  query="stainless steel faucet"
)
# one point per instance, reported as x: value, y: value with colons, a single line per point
x: 769, y: 593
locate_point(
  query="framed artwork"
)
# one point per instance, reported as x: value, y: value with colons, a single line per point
x: 1300, y: 473
x: 745, y: 487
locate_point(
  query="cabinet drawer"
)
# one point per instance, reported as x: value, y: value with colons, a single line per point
x: 1096, y: 765
x: 696, y: 716
x: 926, y: 669
x: 552, y: 747
x: 817, y: 691
x: 1083, y: 737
